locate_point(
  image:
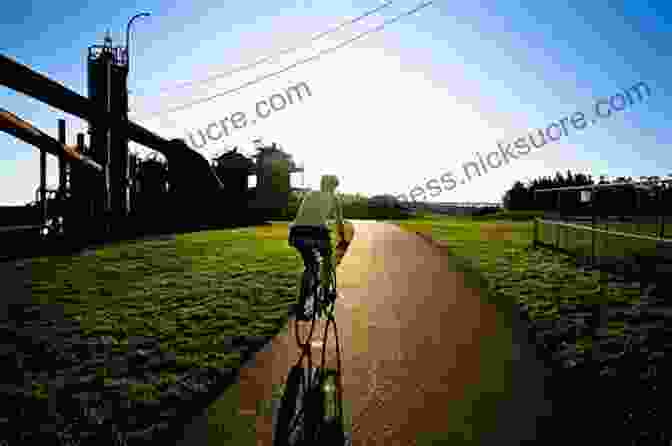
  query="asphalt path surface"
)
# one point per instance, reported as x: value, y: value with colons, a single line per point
x: 425, y: 359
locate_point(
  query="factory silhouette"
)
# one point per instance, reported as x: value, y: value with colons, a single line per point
x: 106, y: 193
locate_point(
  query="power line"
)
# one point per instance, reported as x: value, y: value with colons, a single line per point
x: 281, y: 53
x: 294, y: 65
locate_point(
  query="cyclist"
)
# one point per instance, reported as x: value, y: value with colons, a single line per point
x: 309, y: 229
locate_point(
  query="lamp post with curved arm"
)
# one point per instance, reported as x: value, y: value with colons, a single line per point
x: 128, y: 29
x: 125, y: 178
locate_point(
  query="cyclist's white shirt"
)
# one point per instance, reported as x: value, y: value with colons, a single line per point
x: 316, y: 208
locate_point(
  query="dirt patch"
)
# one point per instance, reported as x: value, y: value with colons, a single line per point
x: 500, y: 232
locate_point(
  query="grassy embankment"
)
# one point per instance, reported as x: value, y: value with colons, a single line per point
x: 497, y: 253
x: 191, y: 293
x: 497, y: 259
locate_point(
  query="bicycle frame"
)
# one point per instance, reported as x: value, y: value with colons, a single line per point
x: 320, y: 298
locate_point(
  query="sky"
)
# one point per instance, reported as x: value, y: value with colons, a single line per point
x: 387, y: 113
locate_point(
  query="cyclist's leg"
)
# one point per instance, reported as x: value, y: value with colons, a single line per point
x: 298, y: 240
x: 304, y: 242
x: 327, y: 266
x: 308, y: 259
x: 327, y: 260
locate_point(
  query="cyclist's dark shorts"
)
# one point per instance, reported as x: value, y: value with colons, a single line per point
x: 306, y: 238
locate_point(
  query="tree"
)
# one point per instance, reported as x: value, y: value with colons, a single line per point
x: 522, y: 197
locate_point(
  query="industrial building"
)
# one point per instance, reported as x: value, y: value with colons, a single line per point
x: 107, y: 193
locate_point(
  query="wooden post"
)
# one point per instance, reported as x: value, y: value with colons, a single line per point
x: 600, y: 317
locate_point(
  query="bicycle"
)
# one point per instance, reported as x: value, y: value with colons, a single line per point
x: 317, y: 301
x: 311, y: 407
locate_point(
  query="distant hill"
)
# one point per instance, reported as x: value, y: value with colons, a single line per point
x: 454, y: 208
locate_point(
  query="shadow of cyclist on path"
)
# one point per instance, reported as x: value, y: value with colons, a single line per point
x: 311, y: 406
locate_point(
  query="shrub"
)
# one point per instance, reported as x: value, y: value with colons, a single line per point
x: 489, y: 210
x: 511, y: 215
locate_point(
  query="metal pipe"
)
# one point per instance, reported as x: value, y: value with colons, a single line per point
x: 25, y: 131
x: 25, y: 80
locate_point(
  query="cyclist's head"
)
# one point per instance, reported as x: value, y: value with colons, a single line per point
x: 329, y: 183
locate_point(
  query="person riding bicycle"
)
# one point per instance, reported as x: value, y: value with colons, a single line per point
x: 309, y: 229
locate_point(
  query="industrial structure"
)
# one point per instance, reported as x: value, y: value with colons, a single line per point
x: 273, y: 168
x: 104, y: 192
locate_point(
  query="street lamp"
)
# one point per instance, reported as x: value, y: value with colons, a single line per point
x: 125, y: 180
x: 128, y: 29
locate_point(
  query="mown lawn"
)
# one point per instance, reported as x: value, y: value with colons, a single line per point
x: 497, y: 258
x: 191, y: 293
x: 499, y: 253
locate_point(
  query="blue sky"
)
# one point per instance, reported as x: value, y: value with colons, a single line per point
x: 386, y: 113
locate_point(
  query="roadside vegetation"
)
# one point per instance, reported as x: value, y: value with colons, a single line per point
x: 194, y: 293
x: 499, y: 253
x: 355, y: 206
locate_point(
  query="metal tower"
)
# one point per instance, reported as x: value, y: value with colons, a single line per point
x: 107, y: 75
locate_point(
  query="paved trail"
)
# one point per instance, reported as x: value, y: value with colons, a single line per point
x: 425, y: 360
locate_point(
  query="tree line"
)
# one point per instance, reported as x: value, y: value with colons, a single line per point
x: 648, y: 195
x: 355, y: 206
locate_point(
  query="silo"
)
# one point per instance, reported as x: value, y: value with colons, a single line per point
x: 107, y: 69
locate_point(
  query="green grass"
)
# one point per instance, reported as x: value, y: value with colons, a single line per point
x: 499, y: 255
x: 190, y: 292
x: 496, y: 257
x: 510, y: 215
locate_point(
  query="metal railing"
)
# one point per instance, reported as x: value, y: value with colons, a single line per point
x: 599, y: 246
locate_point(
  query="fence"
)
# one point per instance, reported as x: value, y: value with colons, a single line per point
x: 648, y: 225
x: 601, y: 247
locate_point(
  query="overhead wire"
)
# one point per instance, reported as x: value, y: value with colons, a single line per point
x: 281, y: 53
x: 292, y: 66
